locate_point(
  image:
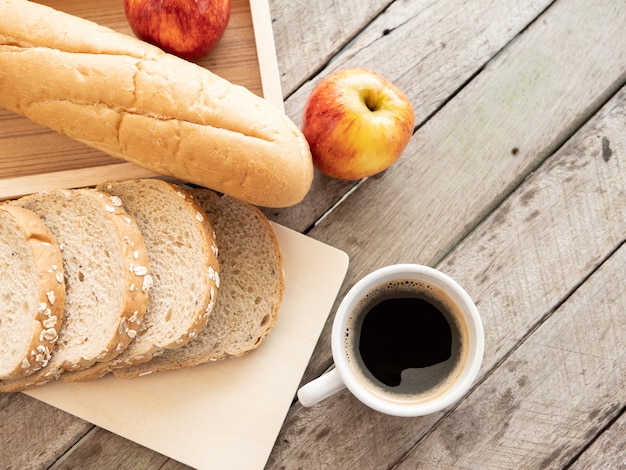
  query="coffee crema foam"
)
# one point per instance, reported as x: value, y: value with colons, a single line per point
x: 417, y: 384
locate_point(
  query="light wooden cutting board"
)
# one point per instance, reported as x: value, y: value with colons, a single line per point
x: 225, y: 414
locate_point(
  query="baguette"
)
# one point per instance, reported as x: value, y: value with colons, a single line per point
x: 133, y: 101
x: 32, y: 293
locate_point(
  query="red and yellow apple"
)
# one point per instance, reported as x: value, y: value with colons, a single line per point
x: 357, y: 123
x: 187, y: 28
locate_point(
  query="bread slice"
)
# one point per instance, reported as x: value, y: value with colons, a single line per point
x: 32, y: 293
x: 106, y: 272
x: 251, y: 292
x: 183, y: 257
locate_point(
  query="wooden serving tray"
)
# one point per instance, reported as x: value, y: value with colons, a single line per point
x: 35, y: 158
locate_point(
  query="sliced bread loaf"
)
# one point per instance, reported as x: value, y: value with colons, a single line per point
x: 106, y: 273
x: 183, y: 258
x: 32, y: 293
x: 252, y: 286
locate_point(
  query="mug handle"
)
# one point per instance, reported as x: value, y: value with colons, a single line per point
x: 321, y: 388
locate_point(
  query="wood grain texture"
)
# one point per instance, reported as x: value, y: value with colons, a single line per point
x: 234, y: 57
x: 477, y: 141
x: 430, y: 51
x: 520, y: 264
x: 33, y: 434
x: 307, y: 36
x: 552, y: 232
x: 100, y: 446
x: 606, y: 451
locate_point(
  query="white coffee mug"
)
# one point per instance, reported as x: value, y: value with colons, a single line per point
x: 400, y: 281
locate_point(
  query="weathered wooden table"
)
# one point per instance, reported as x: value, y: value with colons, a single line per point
x: 514, y: 183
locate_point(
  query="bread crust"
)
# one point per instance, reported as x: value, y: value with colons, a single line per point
x: 233, y: 330
x: 48, y: 316
x: 265, y: 232
x: 135, y: 102
x: 245, y: 317
x: 136, y: 280
x: 204, y: 303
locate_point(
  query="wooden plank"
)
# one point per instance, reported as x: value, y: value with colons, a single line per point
x: 608, y: 450
x: 35, y: 434
x: 429, y: 49
x: 174, y: 465
x: 542, y: 405
x: 79, y: 177
x: 528, y: 255
x: 234, y: 58
x: 100, y: 446
x: 308, y: 34
x: 519, y: 265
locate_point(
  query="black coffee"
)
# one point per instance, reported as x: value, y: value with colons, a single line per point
x: 403, y: 333
x: 407, y: 339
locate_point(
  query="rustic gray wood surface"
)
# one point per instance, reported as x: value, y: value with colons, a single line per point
x: 514, y: 183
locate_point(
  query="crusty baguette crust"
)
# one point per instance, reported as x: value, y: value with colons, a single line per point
x: 135, y: 102
x: 48, y: 317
